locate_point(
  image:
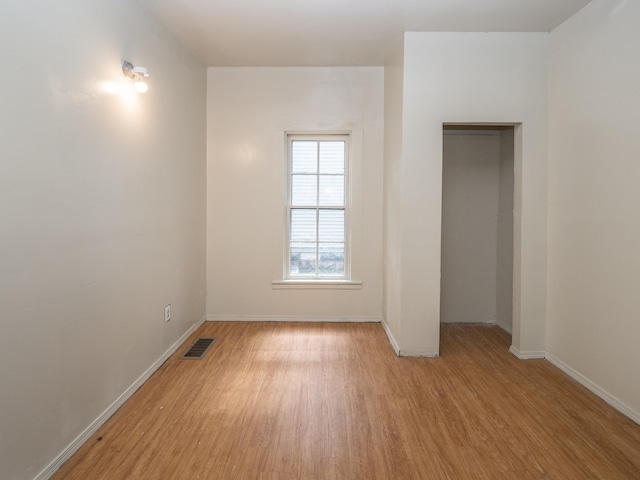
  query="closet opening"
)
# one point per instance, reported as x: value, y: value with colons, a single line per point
x: 476, y: 285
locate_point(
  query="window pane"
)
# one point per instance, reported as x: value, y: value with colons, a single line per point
x: 331, y: 226
x: 303, y: 259
x: 331, y: 190
x: 304, y: 190
x: 332, y: 157
x: 331, y: 259
x: 304, y: 157
x: 303, y: 225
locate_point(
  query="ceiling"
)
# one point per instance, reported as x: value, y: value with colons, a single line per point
x: 338, y: 32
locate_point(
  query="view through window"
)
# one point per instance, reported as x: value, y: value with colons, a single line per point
x: 317, y: 244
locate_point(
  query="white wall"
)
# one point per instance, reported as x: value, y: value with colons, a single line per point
x: 468, y: 78
x: 504, y: 268
x: 470, y: 207
x: 102, y: 214
x: 249, y: 110
x: 594, y: 233
x: 393, y: 107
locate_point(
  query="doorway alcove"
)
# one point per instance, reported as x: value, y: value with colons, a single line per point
x: 477, y: 225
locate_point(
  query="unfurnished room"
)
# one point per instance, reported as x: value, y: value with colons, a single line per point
x: 289, y: 239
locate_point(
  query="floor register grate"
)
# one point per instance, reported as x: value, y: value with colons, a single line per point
x: 198, y: 349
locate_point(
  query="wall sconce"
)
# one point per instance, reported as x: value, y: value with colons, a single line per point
x: 136, y: 73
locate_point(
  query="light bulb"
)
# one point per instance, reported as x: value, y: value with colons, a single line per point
x: 137, y: 74
x: 140, y: 85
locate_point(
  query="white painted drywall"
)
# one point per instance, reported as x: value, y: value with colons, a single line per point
x: 468, y: 78
x: 338, y: 33
x: 393, y: 104
x: 594, y: 232
x: 102, y: 214
x: 248, y: 112
x: 504, y: 268
x: 470, y: 205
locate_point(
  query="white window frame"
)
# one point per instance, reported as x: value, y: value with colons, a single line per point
x: 317, y: 278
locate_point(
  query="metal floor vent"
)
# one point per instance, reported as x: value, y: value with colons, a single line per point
x: 198, y: 349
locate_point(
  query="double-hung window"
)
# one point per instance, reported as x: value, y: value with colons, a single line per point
x: 317, y: 246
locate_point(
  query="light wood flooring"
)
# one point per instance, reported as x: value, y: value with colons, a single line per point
x: 332, y: 401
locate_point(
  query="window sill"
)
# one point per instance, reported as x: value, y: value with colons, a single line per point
x: 317, y: 284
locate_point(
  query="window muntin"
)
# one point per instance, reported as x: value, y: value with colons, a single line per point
x: 317, y: 244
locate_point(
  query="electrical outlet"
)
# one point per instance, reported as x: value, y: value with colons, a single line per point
x: 167, y: 313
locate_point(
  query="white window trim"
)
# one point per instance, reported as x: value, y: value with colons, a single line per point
x: 324, y: 281
x: 317, y: 284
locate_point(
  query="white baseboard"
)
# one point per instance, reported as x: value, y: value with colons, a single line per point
x: 111, y: 409
x: 506, y: 328
x: 416, y: 353
x: 528, y: 355
x: 404, y: 353
x: 599, y: 391
x: 391, y: 338
x: 290, y: 318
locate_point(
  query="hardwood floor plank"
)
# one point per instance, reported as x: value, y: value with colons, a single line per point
x: 332, y: 401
